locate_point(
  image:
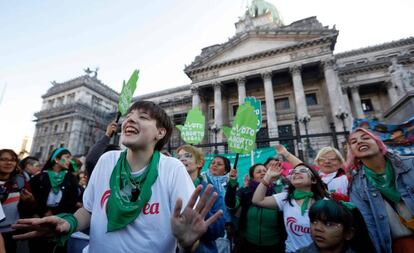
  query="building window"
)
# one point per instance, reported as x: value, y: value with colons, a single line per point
x: 45, y: 130
x: 179, y: 119
x: 282, y: 103
x: 66, y: 126
x: 59, y: 101
x: 51, y: 147
x: 212, y: 113
x: 367, y: 105
x: 55, y: 128
x: 50, y: 103
x: 71, y: 98
x: 234, y: 108
x: 311, y: 99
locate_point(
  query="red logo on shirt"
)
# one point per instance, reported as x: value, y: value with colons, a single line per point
x: 296, y: 229
x: 146, y: 209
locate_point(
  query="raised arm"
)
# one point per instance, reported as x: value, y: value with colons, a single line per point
x: 280, y: 149
x: 273, y: 172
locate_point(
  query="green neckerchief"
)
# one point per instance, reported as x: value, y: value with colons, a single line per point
x: 306, y: 196
x: 56, y: 179
x: 384, y: 182
x: 197, y: 181
x: 121, y: 210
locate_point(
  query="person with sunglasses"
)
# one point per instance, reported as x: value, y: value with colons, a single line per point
x: 15, y: 196
x: 30, y: 167
x: 304, y: 188
x: 193, y: 160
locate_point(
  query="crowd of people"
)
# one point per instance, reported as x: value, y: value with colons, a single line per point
x: 142, y: 200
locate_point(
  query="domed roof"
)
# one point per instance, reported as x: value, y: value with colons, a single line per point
x: 260, y: 7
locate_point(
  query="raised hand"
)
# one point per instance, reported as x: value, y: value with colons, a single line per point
x: 188, y: 226
x: 274, y: 170
x: 233, y: 174
x: 280, y: 149
x: 41, y: 227
x: 111, y: 129
x: 246, y: 180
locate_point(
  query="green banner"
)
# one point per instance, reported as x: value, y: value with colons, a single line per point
x: 241, y: 137
x: 257, y: 105
x: 127, y: 92
x: 193, y: 130
x: 245, y: 161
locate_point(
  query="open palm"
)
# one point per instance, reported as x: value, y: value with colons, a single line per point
x: 41, y: 227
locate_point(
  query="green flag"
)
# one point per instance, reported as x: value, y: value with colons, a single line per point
x: 242, y: 136
x: 193, y: 130
x: 127, y: 92
x: 257, y: 105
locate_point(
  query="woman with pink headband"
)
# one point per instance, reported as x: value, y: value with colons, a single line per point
x: 383, y: 190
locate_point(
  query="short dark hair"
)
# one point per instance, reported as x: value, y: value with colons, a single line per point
x: 330, y: 210
x: 28, y: 160
x: 252, y: 168
x: 162, y: 119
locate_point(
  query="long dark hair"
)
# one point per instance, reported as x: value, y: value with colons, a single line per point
x: 333, y: 211
x: 57, y: 153
x: 226, y: 162
x: 318, y: 188
x: 15, y: 157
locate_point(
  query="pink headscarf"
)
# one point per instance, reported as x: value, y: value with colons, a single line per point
x: 353, y: 162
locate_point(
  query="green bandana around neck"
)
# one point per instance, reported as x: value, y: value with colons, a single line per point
x: 56, y: 179
x: 384, y: 182
x: 121, y: 208
x: 306, y: 196
x: 198, y: 180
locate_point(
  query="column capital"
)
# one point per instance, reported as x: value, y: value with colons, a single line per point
x: 217, y: 85
x: 344, y: 90
x: 295, y: 69
x: 241, y: 80
x: 266, y: 75
x: 194, y: 89
x: 354, y: 87
x: 329, y: 63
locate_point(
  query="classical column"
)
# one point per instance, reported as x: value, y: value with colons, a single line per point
x: 241, y: 87
x: 270, y: 105
x: 336, y: 99
x: 196, y: 96
x: 392, y: 92
x: 300, y: 99
x: 218, y: 109
x: 357, y: 102
x: 350, y: 118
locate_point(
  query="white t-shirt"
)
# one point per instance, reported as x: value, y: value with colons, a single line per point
x: 2, y: 216
x: 335, y: 184
x: 151, y: 231
x: 297, y: 226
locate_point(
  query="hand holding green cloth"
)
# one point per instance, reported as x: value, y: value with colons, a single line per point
x: 121, y: 210
x: 73, y: 222
x: 384, y: 182
x: 56, y: 179
x: 306, y: 196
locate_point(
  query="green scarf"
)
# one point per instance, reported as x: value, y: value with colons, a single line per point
x: 56, y: 179
x: 121, y: 210
x: 197, y: 181
x: 298, y: 194
x: 384, y: 182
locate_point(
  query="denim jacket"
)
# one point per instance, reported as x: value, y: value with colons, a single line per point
x: 369, y: 200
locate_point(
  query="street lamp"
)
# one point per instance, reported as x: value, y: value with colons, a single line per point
x: 342, y: 115
x: 215, y: 129
x: 305, y: 120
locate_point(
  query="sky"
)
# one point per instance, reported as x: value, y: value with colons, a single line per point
x: 45, y: 41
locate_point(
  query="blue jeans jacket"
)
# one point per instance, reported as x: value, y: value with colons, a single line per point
x: 371, y: 204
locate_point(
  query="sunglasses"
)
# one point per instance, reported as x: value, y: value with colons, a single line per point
x: 299, y: 170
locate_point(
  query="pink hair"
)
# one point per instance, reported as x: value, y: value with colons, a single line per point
x: 351, y: 161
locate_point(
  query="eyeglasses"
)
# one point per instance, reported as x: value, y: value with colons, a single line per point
x: 299, y: 170
x: 326, y: 224
x: 322, y: 159
x: 6, y: 160
x: 185, y: 156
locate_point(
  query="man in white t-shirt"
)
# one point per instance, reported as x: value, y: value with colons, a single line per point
x: 133, y: 202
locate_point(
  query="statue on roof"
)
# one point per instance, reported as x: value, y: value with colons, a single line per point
x: 402, y: 78
x: 260, y: 7
x: 89, y: 72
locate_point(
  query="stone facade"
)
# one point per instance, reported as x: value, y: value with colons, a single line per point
x: 74, y: 114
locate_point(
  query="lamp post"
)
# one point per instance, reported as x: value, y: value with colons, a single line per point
x: 305, y: 120
x: 215, y: 129
x: 342, y: 115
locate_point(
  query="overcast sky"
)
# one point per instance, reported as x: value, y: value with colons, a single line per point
x: 42, y: 41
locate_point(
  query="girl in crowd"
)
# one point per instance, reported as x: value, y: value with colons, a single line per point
x: 383, y: 189
x: 329, y: 161
x: 304, y: 189
x: 15, y: 196
x: 193, y: 160
x: 261, y: 228
x: 56, y: 191
x: 337, y: 227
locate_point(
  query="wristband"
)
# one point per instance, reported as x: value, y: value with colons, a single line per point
x: 265, y: 183
x: 73, y: 222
